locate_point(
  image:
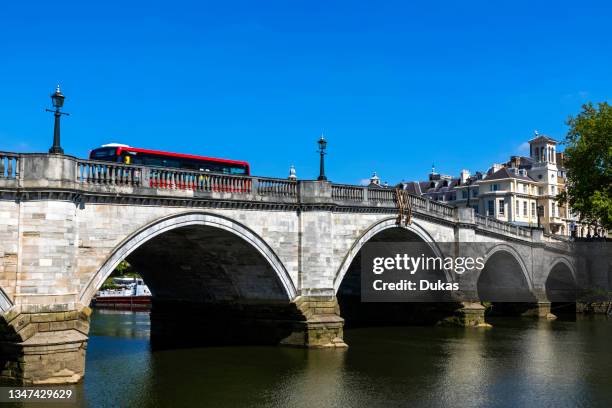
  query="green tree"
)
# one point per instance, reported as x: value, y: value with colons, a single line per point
x: 122, y: 269
x: 588, y: 160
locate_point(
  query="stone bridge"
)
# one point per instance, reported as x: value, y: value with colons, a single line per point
x: 229, y: 259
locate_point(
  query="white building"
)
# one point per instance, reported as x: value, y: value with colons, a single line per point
x: 512, y: 191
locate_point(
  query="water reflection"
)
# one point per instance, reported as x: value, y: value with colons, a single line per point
x: 520, y: 362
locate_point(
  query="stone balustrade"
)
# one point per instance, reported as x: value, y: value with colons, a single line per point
x: 94, y: 177
x: 497, y: 225
x: 9, y: 169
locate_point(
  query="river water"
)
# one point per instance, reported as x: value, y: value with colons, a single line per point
x: 517, y: 363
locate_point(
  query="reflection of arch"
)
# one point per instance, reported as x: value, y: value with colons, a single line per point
x: 5, y: 302
x: 158, y: 227
x: 501, y: 248
x: 380, y: 226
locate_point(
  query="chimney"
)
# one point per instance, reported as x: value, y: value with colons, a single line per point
x: 464, y: 175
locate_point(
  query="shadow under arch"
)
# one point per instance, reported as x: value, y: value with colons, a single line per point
x: 562, y: 288
x: 409, y: 308
x: 150, y: 231
x: 213, y: 281
x: 505, y: 282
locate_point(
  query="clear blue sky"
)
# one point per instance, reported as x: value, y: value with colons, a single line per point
x: 394, y: 86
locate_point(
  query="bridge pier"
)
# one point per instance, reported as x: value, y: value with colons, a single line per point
x: 470, y: 314
x: 305, y: 322
x: 43, y: 345
x: 540, y: 309
x: 323, y: 326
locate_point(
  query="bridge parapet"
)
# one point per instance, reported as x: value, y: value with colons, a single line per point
x: 33, y: 172
x: 493, y: 224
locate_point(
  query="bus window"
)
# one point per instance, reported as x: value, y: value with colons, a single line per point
x: 238, y: 170
x: 103, y: 153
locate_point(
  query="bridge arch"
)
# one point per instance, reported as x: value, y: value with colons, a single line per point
x: 373, y: 230
x: 561, y: 286
x: 565, y: 262
x: 505, y: 248
x: 187, y: 219
x: 505, y: 277
x: 409, y: 308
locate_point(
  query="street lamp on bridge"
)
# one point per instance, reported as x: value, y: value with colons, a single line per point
x: 57, y: 99
x: 322, y: 146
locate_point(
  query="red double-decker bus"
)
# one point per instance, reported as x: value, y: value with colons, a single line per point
x: 131, y: 155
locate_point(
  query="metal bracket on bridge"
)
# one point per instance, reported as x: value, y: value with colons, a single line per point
x: 404, y: 206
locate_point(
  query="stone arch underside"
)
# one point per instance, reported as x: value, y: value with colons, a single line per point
x: 201, y: 263
x: 167, y: 224
x: 213, y: 282
x: 416, y: 233
x: 505, y: 284
x: 417, y: 309
x: 561, y: 288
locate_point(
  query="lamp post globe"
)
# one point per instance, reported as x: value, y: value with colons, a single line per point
x: 57, y: 100
x: 322, y: 143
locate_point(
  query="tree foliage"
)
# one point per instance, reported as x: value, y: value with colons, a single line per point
x: 588, y: 160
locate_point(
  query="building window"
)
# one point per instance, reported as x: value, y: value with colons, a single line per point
x: 475, y: 193
x: 464, y: 194
x: 491, y: 208
x: 501, y: 207
x: 516, y: 207
x: 552, y: 190
x: 533, y: 210
x: 524, y: 208
x: 493, y: 187
x: 540, y: 191
x: 475, y: 209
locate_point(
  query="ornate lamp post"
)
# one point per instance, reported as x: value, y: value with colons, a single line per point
x: 57, y: 99
x: 322, y: 146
